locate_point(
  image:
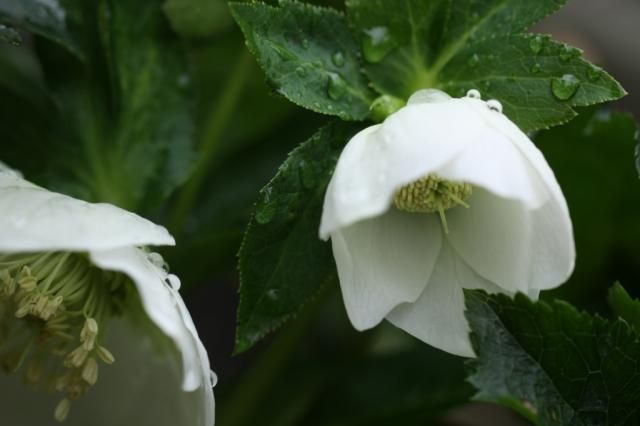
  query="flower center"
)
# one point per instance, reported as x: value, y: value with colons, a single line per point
x: 432, y: 194
x: 54, y: 308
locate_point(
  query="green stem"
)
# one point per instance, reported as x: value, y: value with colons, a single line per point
x: 211, y: 137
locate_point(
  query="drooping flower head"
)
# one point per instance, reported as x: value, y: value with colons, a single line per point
x: 445, y: 194
x: 91, y: 319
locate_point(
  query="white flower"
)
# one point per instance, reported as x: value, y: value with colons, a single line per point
x: 91, y: 321
x: 446, y: 194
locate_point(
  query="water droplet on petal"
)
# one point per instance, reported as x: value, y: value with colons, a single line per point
x: 565, y: 88
x: 213, y: 378
x: 10, y: 35
x: 173, y: 282
x: 338, y: 59
x: 157, y: 260
x: 494, y: 105
x: 376, y: 44
x: 594, y: 72
x: 336, y: 87
x: 428, y: 96
x: 536, y: 44
x: 474, y: 94
x: 474, y: 60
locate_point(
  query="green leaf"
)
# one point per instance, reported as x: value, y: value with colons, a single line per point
x: 47, y: 18
x: 283, y: 263
x: 567, y: 367
x: 309, y: 56
x: 151, y: 89
x: 198, y: 18
x: 462, y: 45
x: 624, y: 306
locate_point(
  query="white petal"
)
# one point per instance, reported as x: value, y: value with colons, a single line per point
x: 502, y: 160
x: 383, y: 262
x: 164, y: 307
x: 514, y: 247
x: 142, y: 388
x: 34, y: 219
x: 437, y: 317
x: 413, y: 142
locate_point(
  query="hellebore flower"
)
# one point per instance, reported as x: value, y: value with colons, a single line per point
x: 92, y: 324
x: 445, y: 194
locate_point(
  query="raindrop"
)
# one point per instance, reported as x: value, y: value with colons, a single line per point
x: 173, y: 282
x: 536, y: 44
x: 338, y: 59
x: 266, y: 208
x: 336, y: 87
x: 307, y: 175
x: 377, y: 44
x: 273, y: 294
x: 474, y: 60
x: 494, y: 105
x: 535, y: 68
x: 568, y: 52
x: 10, y: 35
x: 183, y: 81
x: 285, y: 54
x: 301, y: 72
x: 594, y: 72
x: 157, y: 260
x: 474, y: 94
x: 213, y: 378
x: 566, y: 87
x: 428, y: 96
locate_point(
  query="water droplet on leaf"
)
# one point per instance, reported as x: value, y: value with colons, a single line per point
x: 266, y: 208
x: 474, y: 60
x: 305, y: 43
x: 213, y: 378
x: 565, y: 88
x: 301, y: 72
x: 338, y: 59
x: 568, y: 52
x: 336, y: 87
x: 376, y: 44
x: 535, y: 68
x: 594, y: 72
x: 474, y: 94
x: 536, y: 44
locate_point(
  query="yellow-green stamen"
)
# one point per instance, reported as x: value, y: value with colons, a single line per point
x: 54, y: 308
x: 432, y: 194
